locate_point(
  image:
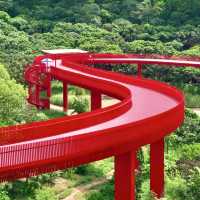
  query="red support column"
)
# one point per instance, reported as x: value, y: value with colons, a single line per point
x: 157, y: 168
x: 125, y: 176
x: 95, y: 100
x: 65, y: 96
x: 49, y: 85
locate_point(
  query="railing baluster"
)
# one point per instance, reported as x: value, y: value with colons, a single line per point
x: 65, y: 96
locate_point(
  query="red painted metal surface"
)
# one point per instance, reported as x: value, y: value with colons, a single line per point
x: 65, y: 97
x: 147, y: 112
x: 125, y: 176
x: 157, y: 168
x: 95, y: 100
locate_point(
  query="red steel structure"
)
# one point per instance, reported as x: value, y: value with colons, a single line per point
x: 148, y: 111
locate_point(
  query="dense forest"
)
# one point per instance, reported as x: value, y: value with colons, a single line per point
x: 170, y: 27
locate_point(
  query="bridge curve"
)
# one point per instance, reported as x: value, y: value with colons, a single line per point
x: 147, y: 112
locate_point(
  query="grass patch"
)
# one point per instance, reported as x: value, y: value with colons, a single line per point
x: 64, y: 193
x: 52, y: 113
x: 104, y: 191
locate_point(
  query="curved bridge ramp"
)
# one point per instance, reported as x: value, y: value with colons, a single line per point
x: 148, y: 111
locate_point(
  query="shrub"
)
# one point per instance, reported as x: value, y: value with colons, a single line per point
x: 57, y: 99
x: 45, y: 194
x: 193, y: 189
x: 22, y: 188
x: 80, y: 105
x: 88, y: 169
x: 106, y: 192
x: 190, y: 152
x: 4, y: 196
x: 176, y: 188
x: 189, y: 132
x: 49, y: 114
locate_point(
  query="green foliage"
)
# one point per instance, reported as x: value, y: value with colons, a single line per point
x: 65, y: 193
x: 176, y: 188
x: 12, y: 100
x: 193, y: 189
x: 57, y: 99
x: 22, y: 188
x: 148, y: 11
x: 4, y: 16
x: 48, y: 114
x: 174, y: 12
x: 88, y: 169
x: 189, y: 132
x: 106, y: 192
x: 96, y: 26
x: 147, y: 47
x: 56, y: 87
x: 20, y: 23
x: 4, y: 195
x: 45, y: 194
x: 90, y: 37
x: 4, y: 75
x: 68, y: 173
x: 100, y: 46
x: 128, y: 26
x: 183, y: 11
x: 192, y: 100
x: 193, y: 51
x: 6, y: 5
x: 190, y: 152
x: 80, y: 105
x: 53, y: 40
x: 191, y: 91
x: 13, y: 107
x: 45, y: 178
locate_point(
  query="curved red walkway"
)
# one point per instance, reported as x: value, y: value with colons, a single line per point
x: 147, y: 112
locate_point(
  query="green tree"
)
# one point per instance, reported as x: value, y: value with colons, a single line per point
x: 13, y: 107
x: 148, y: 10
x: 20, y: 23
x: 178, y: 12
x: 148, y: 47
x: 6, y: 5
x: 12, y: 100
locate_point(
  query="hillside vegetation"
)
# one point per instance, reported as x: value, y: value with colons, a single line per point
x: 169, y: 27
